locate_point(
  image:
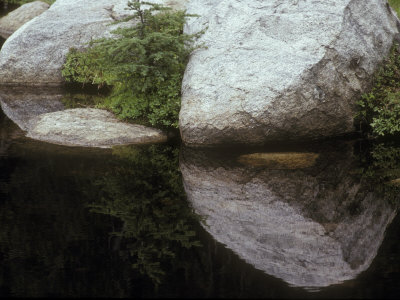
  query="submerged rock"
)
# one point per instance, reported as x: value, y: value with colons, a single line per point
x: 282, y: 69
x: 311, y: 227
x: 284, y: 160
x: 15, y: 19
x: 395, y: 182
x: 42, y: 115
x: 35, y: 53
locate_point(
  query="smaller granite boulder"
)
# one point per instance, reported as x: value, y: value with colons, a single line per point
x: 35, y: 53
x: 15, y: 19
x: 41, y: 114
x: 90, y: 127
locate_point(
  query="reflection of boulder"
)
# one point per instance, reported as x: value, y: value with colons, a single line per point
x: 311, y: 227
x: 8, y: 132
x: 24, y: 105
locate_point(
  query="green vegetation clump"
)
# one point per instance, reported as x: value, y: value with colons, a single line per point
x: 144, y: 65
x: 380, y: 108
x: 395, y: 5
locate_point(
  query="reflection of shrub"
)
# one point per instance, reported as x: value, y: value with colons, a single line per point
x: 145, y: 65
x: 382, y: 169
x: 380, y: 108
x: 147, y: 195
x: 76, y: 100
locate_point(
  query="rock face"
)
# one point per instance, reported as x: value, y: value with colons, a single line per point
x: 15, y: 19
x: 35, y: 53
x: 23, y: 105
x: 89, y: 127
x: 312, y: 227
x: 280, y: 69
x: 42, y: 115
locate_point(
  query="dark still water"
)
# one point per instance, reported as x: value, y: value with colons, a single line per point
x: 167, y: 221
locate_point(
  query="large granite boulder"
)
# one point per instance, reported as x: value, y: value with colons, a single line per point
x: 15, y: 19
x: 35, y: 53
x: 281, y: 69
x: 312, y: 224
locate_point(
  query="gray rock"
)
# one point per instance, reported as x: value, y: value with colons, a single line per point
x: 15, y: 19
x: 89, y: 127
x: 175, y: 4
x: 312, y: 227
x: 35, y: 53
x: 42, y: 115
x: 281, y: 69
x: 23, y: 105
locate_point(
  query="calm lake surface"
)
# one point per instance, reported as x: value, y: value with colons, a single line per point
x: 127, y: 222
x: 310, y: 221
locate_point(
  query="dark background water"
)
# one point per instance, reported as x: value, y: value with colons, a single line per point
x: 75, y: 222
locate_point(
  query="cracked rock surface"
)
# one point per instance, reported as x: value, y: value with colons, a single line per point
x: 311, y: 226
x: 15, y: 19
x: 35, y: 53
x: 281, y: 69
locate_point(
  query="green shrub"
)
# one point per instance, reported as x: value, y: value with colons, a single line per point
x: 144, y: 65
x: 396, y: 5
x: 380, y: 108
